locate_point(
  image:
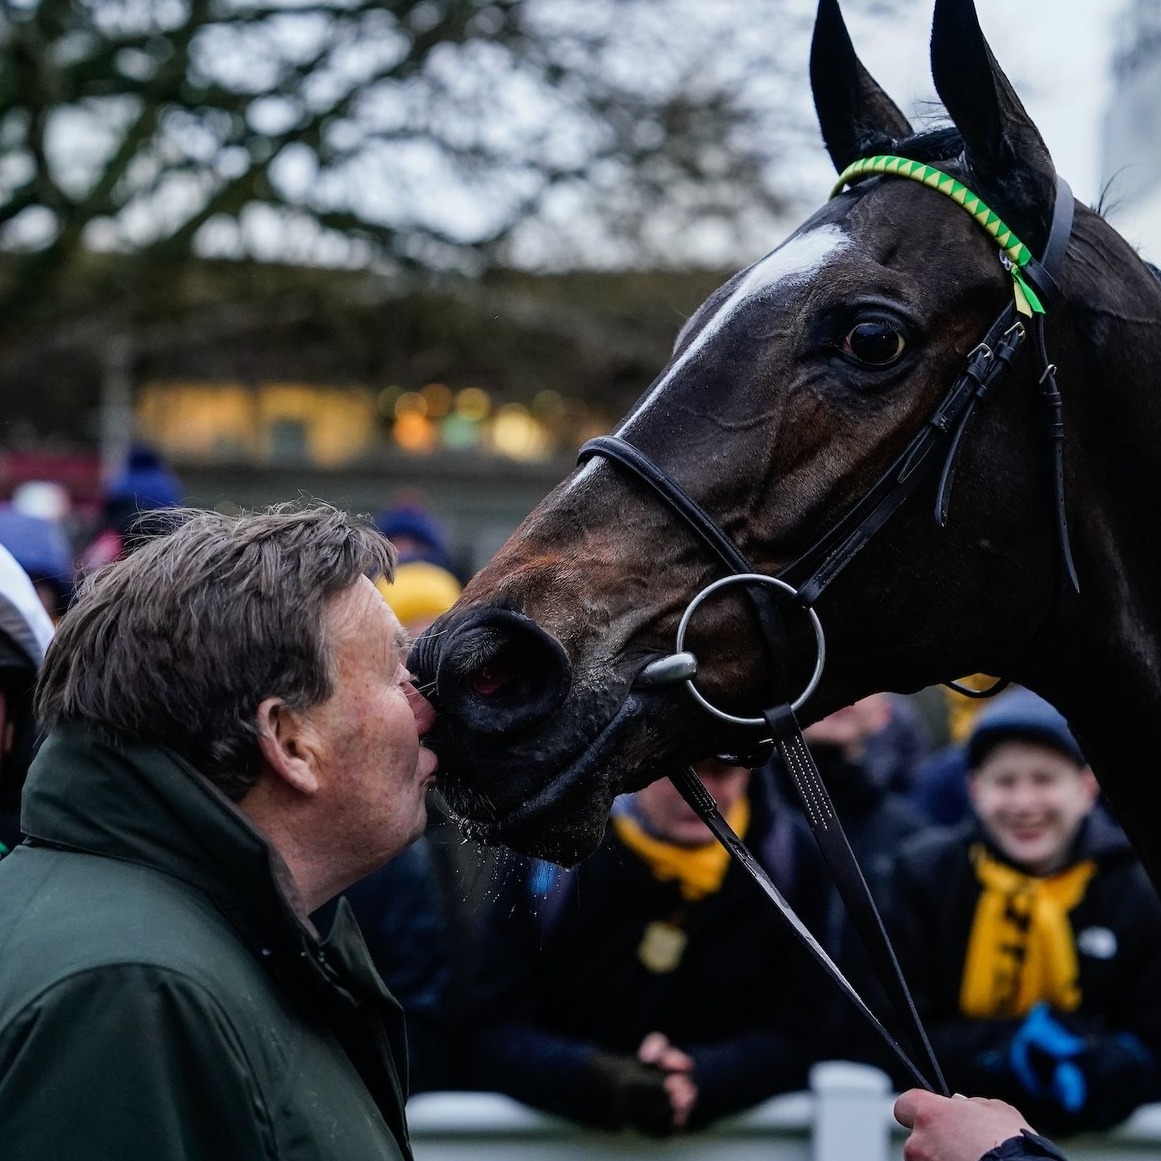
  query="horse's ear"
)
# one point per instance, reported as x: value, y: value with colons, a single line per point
x: 853, y: 112
x: 1010, y: 165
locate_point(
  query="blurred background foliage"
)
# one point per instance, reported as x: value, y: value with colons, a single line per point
x: 440, y: 134
x: 378, y: 193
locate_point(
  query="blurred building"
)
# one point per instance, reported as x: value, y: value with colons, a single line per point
x: 261, y: 383
x: 1132, y: 138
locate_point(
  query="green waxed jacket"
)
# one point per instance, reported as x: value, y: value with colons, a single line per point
x: 160, y: 998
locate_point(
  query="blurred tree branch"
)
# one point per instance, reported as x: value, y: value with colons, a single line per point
x: 422, y: 134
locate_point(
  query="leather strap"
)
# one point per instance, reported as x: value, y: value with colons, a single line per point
x: 697, y: 519
x: 699, y: 798
x: 851, y: 885
x: 1054, y: 416
x: 1042, y: 274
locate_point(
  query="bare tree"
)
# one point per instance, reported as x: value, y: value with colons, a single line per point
x: 409, y: 133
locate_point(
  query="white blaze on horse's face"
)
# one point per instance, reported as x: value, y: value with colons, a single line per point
x: 796, y: 261
x: 799, y: 259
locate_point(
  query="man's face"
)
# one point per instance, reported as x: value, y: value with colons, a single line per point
x: 1031, y: 801
x: 376, y: 773
x: 673, y: 820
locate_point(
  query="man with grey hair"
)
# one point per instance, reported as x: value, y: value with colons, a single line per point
x: 234, y: 738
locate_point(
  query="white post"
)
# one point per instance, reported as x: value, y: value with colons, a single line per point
x: 851, y: 1114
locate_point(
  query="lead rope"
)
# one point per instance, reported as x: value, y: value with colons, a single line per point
x: 817, y: 805
x: 852, y: 887
x: 701, y: 801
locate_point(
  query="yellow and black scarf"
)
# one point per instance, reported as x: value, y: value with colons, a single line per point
x: 1021, y: 948
x: 701, y: 869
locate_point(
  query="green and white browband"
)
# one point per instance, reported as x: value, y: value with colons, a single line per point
x: 1027, y: 301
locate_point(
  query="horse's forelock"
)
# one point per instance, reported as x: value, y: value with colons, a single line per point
x: 941, y: 143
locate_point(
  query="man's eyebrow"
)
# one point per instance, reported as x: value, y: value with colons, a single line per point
x: 403, y: 639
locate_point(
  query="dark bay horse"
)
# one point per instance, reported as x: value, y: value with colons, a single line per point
x: 790, y: 392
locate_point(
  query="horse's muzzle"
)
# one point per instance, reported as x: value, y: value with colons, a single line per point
x: 495, y: 671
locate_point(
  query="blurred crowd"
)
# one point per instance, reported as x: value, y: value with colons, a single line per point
x: 652, y: 986
x: 57, y: 542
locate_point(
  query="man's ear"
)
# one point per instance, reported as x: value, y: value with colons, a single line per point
x: 289, y: 745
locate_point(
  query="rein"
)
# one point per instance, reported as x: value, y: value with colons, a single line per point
x: 804, y: 580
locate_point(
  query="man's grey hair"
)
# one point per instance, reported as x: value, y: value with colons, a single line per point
x: 179, y: 642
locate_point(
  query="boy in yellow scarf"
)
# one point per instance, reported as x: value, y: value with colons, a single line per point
x: 1030, y: 933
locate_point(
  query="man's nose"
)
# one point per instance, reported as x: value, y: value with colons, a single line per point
x: 423, y: 710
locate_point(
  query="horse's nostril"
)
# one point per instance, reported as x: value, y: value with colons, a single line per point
x: 499, y: 672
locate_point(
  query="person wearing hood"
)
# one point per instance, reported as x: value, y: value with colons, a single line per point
x: 233, y: 738
x: 25, y: 631
x: 41, y: 548
x: 145, y: 485
x: 1030, y: 934
x: 416, y: 534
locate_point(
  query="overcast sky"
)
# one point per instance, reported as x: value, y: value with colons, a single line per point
x: 1057, y: 54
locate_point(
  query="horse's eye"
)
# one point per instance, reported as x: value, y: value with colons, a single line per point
x: 874, y: 343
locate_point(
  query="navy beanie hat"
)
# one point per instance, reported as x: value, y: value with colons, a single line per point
x: 145, y: 483
x: 1020, y: 715
x: 407, y: 522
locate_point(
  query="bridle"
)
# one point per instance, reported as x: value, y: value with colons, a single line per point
x: 803, y: 581
x: 815, y: 569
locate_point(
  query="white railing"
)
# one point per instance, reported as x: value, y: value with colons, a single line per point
x: 845, y: 1116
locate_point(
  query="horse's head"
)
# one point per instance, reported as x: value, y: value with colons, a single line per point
x: 789, y: 393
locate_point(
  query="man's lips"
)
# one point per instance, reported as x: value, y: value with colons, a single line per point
x: 428, y: 764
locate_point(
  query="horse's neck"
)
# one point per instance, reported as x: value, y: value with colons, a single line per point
x: 1099, y: 658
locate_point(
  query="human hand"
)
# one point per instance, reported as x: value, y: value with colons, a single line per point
x: 657, y: 1051
x: 954, y: 1128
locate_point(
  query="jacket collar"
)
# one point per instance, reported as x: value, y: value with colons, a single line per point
x: 144, y: 804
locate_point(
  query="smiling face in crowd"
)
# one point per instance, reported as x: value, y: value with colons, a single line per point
x: 1031, y: 800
